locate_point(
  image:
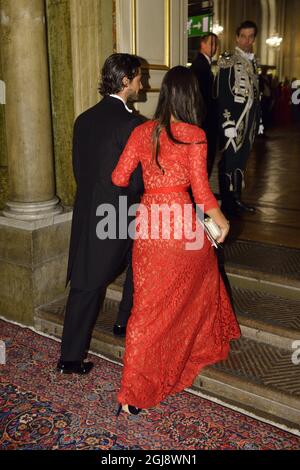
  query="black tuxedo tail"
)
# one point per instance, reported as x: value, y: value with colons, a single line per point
x: 100, y: 135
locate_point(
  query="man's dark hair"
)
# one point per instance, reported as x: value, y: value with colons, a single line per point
x: 115, y: 68
x: 247, y: 25
x: 206, y: 37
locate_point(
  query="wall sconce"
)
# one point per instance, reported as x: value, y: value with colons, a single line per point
x: 217, y: 29
x: 274, y: 41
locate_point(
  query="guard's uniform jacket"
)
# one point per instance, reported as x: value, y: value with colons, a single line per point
x: 237, y: 88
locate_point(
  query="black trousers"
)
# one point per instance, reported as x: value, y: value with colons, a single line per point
x: 127, y: 298
x: 211, y: 130
x: 82, y: 311
x: 211, y: 152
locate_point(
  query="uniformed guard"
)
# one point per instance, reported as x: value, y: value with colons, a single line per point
x: 237, y: 87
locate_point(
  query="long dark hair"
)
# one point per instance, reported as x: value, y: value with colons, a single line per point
x: 115, y: 68
x: 179, y: 97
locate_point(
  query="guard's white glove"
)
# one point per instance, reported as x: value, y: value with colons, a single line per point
x: 230, y: 132
x: 261, y: 129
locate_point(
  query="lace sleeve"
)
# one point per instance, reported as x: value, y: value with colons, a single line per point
x: 128, y: 161
x: 198, y: 172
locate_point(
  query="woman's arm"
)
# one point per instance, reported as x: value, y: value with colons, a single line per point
x: 128, y: 161
x: 200, y: 184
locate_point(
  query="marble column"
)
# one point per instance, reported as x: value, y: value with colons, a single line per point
x: 91, y: 36
x: 28, y: 115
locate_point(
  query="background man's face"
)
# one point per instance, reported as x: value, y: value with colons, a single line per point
x: 210, y: 47
x: 135, y: 85
x: 246, y: 39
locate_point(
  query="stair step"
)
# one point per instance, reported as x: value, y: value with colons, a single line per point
x: 265, y: 262
x: 256, y: 375
x: 263, y: 285
x: 49, y: 319
x: 267, y: 317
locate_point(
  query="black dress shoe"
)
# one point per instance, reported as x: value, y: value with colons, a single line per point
x: 119, y: 331
x: 132, y: 410
x: 74, y: 367
x: 244, y: 207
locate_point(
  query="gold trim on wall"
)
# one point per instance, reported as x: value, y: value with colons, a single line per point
x: 133, y: 26
x: 158, y: 67
x: 167, y: 9
x: 167, y: 32
x: 151, y: 90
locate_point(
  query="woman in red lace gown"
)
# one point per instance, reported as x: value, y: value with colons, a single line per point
x: 181, y: 319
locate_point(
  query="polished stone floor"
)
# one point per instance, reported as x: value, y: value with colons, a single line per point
x: 273, y: 186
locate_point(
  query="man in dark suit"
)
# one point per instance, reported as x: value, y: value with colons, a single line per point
x: 100, y: 135
x: 201, y: 67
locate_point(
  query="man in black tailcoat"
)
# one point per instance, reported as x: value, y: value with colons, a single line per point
x: 201, y: 67
x: 100, y: 135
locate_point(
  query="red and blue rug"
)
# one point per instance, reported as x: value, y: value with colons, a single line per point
x: 41, y: 409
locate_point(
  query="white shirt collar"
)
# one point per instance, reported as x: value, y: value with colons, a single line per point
x: 209, y: 59
x: 249, y: 55
x: 121, y: 99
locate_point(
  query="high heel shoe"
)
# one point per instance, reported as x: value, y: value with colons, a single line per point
x: 132, y: 410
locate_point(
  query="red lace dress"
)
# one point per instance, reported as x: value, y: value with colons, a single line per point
x: 181, y: 319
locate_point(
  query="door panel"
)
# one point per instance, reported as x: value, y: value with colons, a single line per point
x: 156, y: 31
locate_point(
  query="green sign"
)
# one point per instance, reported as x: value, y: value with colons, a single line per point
x: 199, y: 25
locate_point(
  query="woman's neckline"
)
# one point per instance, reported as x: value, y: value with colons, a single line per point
x: 173, y: 122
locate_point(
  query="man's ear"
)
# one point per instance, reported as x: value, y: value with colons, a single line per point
x: 125, y: 82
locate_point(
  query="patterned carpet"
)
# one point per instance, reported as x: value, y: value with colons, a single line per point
x: 41, y: 409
